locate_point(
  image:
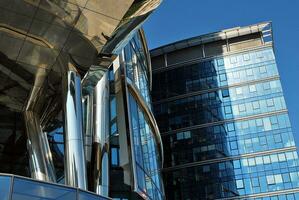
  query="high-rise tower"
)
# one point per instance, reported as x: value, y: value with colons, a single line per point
x: 219, y: 104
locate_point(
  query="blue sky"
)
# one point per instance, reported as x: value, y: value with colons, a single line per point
x: 179, y: 19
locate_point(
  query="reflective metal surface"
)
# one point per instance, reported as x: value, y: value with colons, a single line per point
x: 75, y: 164
x: 40, y: 157
x: 100, y: 158
x: 38, y: 40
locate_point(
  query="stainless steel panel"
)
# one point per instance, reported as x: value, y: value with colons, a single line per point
x: 75, y: 163
x: 100, y: 157
x: 40, y: 157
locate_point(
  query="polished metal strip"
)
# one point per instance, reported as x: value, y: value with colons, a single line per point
x: 75, y: 163
x: 100, y: 150
x: 40, y: 156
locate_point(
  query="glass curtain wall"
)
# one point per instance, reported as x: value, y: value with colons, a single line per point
x: 145, y: 154
x: 226, y: 130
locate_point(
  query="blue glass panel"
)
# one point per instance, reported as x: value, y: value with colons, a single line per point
x: 5, y: 182
x: 31, y: 190
x: 89, y: 196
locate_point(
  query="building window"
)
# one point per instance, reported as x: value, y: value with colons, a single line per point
x: 278, y: 178
x: 237, y: 164
x: 270, y: 102
x: 223, y: 77
x: 252, y: 88
x: 239, y: 91
x: 112, y: 108
x: 233, y: 145
x: 246, y: 57
x: 227, y: 109
x: 225, y: 93
x: 113, y: 128
x: 267, y: 86
x: 183, y: 135
x: 206, y: 168
x: 242, y: 107
x: 270, y: 180
x: 114, y: 156
x: 255, y: 182
x: 233, y: 59
x: 263, y: 70
x: 282, y: 157
x: 249, y: 72
x: 230, y: 127
x: 255, y: 105
x: 240, y: 184
x: 220, y: 62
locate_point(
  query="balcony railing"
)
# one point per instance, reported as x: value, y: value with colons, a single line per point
x: 14, y: 187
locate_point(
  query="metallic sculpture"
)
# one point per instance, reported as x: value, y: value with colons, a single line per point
x: 75, y: 163
x: 46, y: 48
x: 40, y: 157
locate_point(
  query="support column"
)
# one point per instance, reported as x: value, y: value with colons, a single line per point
x: 40, y: 157
x: 100, y: 157
x: 75, y: 163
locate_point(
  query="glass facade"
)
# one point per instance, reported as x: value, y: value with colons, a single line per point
x: 137, y: 66
x: 145, y: 153
x: 225, y: 128
x: 147, y: 160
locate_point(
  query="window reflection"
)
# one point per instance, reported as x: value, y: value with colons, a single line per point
x: 146, y: 154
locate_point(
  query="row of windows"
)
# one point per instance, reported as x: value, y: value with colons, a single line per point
x: 181, y: 114
x: 242, y: 109
x: 246, y: 166
x: 292, y: 196
x: 231, y: 94
x: 203, y: 184
x: 249, y: 73
x: 247, y: 58
x: 200, y: 151
x: 145, y: 152
x: 228, y: 139
x: 267, y: 183
x: 244, y: 127
x: 202, y: 76
x: 252, y: 90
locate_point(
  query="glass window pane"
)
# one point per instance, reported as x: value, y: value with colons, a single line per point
x: 240, y: 184
x: 114, y: 156
x: 89, y: 196
x: 5, y: 182
x: 28, y: 190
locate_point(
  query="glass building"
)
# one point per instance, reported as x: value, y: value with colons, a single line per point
x: 131, y: 112
x: 76, y: 117
x: 223, y: 119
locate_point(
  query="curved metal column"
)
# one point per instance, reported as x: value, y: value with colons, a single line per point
x: 100, y: 158
x: 40, y: 157
x: 75, y: 163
